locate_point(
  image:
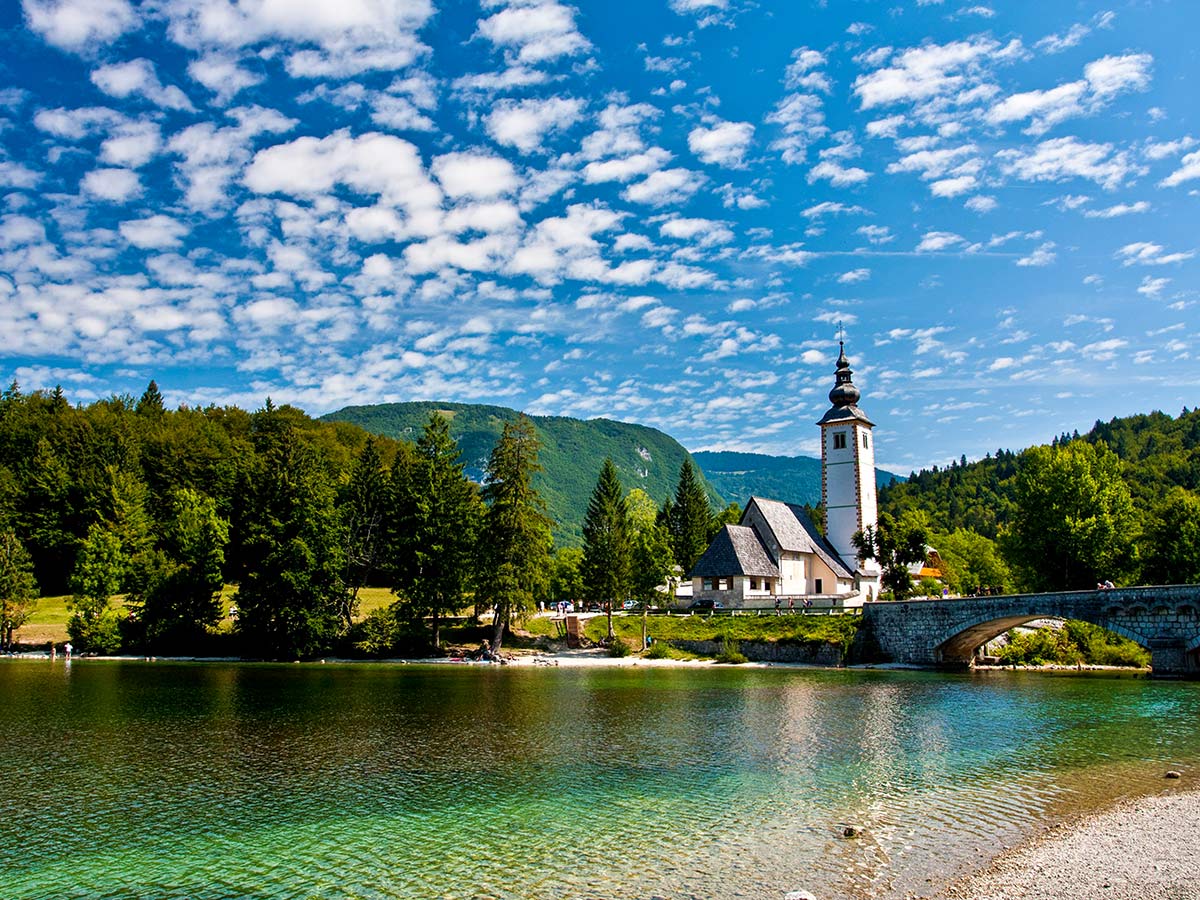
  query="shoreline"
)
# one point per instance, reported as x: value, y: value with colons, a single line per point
x: 1143, y: 848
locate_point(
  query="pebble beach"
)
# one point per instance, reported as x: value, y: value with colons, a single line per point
x: 1144, y: 849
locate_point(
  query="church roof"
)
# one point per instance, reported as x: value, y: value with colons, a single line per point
x: 795, y: 533
x: 736, y: 550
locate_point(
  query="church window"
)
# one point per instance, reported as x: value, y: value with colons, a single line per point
x: 722, y: 584
x: 706, y: 584
x: 754, y: 584
x: 818, y: 585
x: 866, y: 443
x: 839, y: 440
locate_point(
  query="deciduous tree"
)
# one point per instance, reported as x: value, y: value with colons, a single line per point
x: 895, y: 545
x: 18, y: 590
x: 1172, y: 540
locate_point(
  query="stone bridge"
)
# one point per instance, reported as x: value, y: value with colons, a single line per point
x: 946, y: 633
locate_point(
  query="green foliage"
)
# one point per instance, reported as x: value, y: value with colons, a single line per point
x: 99, y: 573
x: 731, y: 652
x: 571, y: 453
x: 292, y: 594
x: 606, y: 542
x: 1077, y: 523
x: 435, y: 517
x: 653, y: 564
x: 566, y: 582
x: 362, y: 507
x: 18, y: 589
x: 1172, y: 540
x: 690, y: 518
x: 971, y: 562
x: 1075, y: 643
x: 514, y: 547
x: 895, y: 545
x: 810, y: 630
x: 793, y: 479
x: 619, y: 647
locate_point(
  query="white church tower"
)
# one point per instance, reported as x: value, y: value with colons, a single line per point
x: 848, y: 475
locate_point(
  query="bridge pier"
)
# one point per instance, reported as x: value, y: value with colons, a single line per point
x: 1170, y: 659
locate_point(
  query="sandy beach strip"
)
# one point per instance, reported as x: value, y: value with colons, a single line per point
x: 1143, y: 849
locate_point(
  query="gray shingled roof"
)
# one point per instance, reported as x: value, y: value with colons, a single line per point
x: 795, y: 533
x: 736, y: 550
x: 844, y: 414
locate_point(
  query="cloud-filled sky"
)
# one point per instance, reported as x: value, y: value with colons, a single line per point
x: 658, y: 211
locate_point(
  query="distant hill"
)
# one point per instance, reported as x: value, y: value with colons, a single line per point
x: 572, y: 452
x: 794, y: 479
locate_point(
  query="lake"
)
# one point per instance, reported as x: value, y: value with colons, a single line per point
x: 220, y: 780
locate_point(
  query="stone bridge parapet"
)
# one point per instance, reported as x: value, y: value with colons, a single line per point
x: 946, y: 633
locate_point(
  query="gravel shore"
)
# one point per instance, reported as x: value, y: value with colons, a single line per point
x: 1146, y: 849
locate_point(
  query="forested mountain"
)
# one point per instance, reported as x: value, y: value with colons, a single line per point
x: 793, y: 479
x: 1158, y: 452
x: 573, y: 451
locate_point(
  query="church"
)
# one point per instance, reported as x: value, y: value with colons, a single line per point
x: 775, y: 553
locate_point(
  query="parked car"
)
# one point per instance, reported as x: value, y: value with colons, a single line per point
x: 706, y: 604
x: 630, y: 604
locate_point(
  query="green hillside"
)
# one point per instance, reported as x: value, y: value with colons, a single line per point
x: 572, y: 452
x: 795, y: 479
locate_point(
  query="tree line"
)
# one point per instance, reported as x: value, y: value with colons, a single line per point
x: 142, y: 514
x: 1118, y: 504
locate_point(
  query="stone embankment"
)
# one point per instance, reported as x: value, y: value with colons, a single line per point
x: 783, y: 651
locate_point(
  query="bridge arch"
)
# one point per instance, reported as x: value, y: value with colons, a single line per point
x: 944, y: 632
x: 959, y: 649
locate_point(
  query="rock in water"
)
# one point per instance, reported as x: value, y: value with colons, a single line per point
x: 851, y: 831
x: 1173, y: 774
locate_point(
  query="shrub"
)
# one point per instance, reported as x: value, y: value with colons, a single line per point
x: 730, y: 653
x: 658, y: 650
x: 619, y: 647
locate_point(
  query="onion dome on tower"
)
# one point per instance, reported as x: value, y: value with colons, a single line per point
x: 844, y: 395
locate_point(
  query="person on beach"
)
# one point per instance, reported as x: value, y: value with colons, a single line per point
x: 791, y: 604
x: 67, y: 649
x: 777, y: 606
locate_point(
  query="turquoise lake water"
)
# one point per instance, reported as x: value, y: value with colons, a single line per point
x: 165, y: 780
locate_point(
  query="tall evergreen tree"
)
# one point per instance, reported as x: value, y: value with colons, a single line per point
x: 607, y: 542
x: 514, y: 549
x: 363, y: 505
x: 691, y: 518
x: 438, y: 514
x: 291, y: 597
x: 151, y: 403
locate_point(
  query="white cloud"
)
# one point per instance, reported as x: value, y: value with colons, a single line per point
x: 803, y: 122
x: 626, y: 168
x: 1042, y: 256
x: 920, y: 73
x: 73, y: 24
x: 523, y: 124
x: 154, y: 232
x: 1189, y: 170
x: 1144, y: 253
x: 876, y: 234
x: 981, y: 204
x: 668, y: 186
x: 221, y: 74
x: 533, y: 30
x: 74, y: 124
x: 934, y: 241
x: 476, y: 175
x: 703, y: 232
x: 1056, y: 43
x: 115, y: 185
x: 1063, y: 158
x: 837, y: 174
x: 131, y: 144
x: 1152, y: 287
x: 1119, y: 209
x: 854, y: 276
x: 138, y: 78
x: 722, y: 143
x: 1114, y: 74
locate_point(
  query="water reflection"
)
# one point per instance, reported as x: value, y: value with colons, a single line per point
x: 164, y: 780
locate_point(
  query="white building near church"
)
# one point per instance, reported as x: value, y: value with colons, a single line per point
x: 776, y: 553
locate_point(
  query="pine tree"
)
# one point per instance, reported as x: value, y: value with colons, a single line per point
x: 606, y: 541
x: 691, y: 518
x: 514, y: 549
x: 438, y: 513
x: 362, y: 506
x: 151, y: 404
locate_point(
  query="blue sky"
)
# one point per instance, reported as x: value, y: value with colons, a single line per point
x: 656, y: 211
